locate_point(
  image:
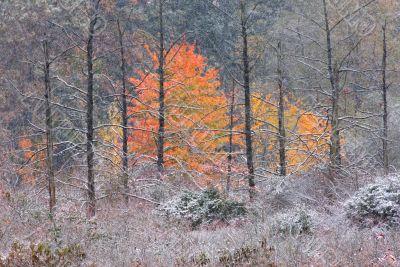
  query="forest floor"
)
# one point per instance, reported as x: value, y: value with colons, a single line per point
x: 136, y: 235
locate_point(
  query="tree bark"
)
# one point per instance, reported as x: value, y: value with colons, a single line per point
x: 281, y: 117
x: 91, y: 207
x: 161, y: 99
x: 385, y: 105
x: 247, y: 92
x: 231, y: 112
x: 125, y: 177
x: 49, y: 131
x: 335, y: 160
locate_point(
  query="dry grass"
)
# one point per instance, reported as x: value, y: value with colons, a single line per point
x: 134, y: 235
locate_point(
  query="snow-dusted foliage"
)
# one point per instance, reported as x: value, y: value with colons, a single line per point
x: 376, y: 204
x: 294, y: 221
x: 202, y: 207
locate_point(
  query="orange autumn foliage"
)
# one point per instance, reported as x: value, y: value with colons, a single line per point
x: 26, y: 145
x: 196, y: 111
x: 33, y: 160
x: 307, y: 135
x: 197, y: 118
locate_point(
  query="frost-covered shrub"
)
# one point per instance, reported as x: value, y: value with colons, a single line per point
x: 202, y: 207
x: 294, y: 221
x: 376, y: 204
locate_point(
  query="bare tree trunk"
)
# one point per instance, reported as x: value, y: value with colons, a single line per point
x: 281, y: 117
x: 91, y: 209
x: 125, y: 177
x: 385, y: 105
x: 161, y: 111
x: 247, y: 101
x: 335, y: 160
x: 49, y: 131
x: 231, y: 111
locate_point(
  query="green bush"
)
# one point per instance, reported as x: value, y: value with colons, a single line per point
x: 376, y: 204
x: 202, y: 207
x: 295, y: 221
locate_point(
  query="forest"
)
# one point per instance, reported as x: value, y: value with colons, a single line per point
x: 199, y: 133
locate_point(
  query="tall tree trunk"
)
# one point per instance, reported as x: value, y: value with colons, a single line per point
x: 49, y: 131
x: 247, y: 100
x: 125, y: 177
x: 281, y: 116
x: 91, y: 207
x: 335, y: 160
x: 385, y: 105
x: 231, y: 113
x: 161, y: 99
